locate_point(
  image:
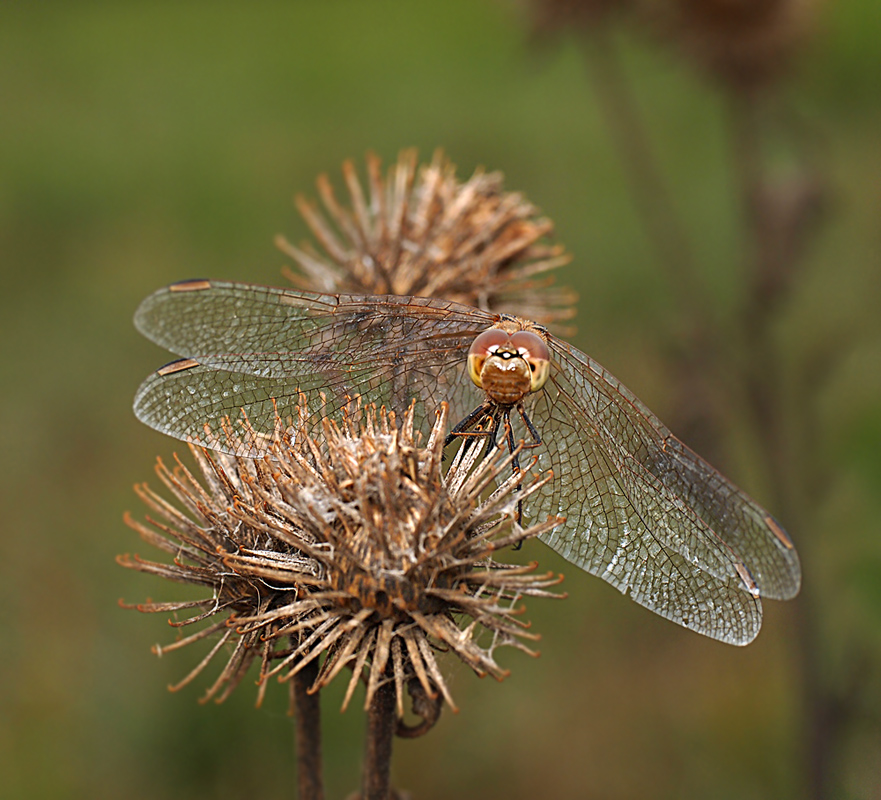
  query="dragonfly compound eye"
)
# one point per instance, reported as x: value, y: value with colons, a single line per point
x: 534, y: 352
x: 484, y: 345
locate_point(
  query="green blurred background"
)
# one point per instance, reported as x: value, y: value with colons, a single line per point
x: 143, y: 143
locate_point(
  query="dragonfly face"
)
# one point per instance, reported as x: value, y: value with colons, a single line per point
x: 643, y: 511
x: 508, y: 365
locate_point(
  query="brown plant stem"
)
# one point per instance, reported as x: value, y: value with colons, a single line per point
x: 777, y: 239
x: 701, y: 343
x: 376, y: 777
x: 761, y: 367
x: 307, y: 709
x: 649, y: 190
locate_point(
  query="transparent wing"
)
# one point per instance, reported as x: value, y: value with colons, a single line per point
x: 252, y: 349
x: 646, y: 514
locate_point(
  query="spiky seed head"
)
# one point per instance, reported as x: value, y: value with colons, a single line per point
x: 419, y: 231
x: 354, y: 547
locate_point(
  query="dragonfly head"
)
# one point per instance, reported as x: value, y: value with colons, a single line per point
x: 507, y: 366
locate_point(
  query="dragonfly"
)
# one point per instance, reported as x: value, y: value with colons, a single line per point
x: 642, y: 511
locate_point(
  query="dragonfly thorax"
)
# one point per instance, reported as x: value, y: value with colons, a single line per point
x: 507, y: 366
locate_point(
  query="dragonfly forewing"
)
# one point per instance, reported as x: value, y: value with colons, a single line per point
x: 251, y: 351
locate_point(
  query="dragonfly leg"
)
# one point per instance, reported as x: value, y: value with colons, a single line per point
x: 533, y: 431
x: 493, y: 432
x: 465, y: 428
x: 509, y: 440
x: 462, y: 426
x: 515, y: 465
x: 497, y: 417
x: 536, y: 441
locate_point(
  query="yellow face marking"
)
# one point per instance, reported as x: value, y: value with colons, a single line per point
x: 481, y: 348
x: 538, y: 373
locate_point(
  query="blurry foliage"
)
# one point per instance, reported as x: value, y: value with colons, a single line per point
x: 145, y: 143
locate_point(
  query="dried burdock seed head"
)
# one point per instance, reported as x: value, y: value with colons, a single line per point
x: 745, y: 44
x: 420, y: 232
x: 353, y: 548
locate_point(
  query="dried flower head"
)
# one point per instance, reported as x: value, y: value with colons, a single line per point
x: 423, y: 233
x: 746, y: 44
x: 353, y: 548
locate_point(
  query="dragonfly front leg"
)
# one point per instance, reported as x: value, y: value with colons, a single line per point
x: 465, y: 428
x: 462, y: 426
x: 496, y: 416
x: 533, y: 431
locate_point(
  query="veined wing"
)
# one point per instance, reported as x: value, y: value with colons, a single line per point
x: 253, y: 349
x: 648, y: 515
